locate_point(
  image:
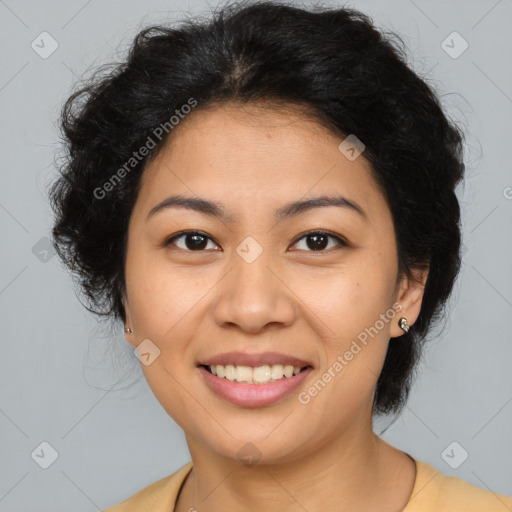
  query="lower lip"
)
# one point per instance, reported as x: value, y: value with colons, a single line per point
x: 254, y: 395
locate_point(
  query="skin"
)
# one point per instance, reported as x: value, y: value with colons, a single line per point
x: 193, y: 304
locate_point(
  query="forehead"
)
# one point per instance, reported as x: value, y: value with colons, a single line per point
x: 252, y: 153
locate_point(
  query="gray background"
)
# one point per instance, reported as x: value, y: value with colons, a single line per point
x: 76, y: 385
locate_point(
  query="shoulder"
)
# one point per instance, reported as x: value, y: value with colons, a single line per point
x: 434, y: 491
x: 159, y: 496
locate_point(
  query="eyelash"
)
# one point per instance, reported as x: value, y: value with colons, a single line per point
x: 340, y: 241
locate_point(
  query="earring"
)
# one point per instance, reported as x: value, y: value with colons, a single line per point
x: 403, y: 324
x: 128, y: 330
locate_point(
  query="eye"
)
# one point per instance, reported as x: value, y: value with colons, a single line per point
x: 318, y: 240
x: 198, y: 241
x: 194, y: 240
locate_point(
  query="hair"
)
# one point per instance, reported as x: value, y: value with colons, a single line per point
x: 331, y: 63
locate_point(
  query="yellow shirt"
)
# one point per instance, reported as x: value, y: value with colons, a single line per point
x: 432, y: 492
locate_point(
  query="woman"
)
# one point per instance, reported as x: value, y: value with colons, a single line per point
x: 266, y: 200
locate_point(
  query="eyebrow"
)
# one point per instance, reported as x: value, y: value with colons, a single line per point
x: 214, y: 209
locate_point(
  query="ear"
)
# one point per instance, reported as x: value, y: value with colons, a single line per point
x: 128, y: 336
x: 409, y: 295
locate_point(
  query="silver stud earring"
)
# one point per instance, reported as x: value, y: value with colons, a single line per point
x: 128, y: 330
x: 403, y: 324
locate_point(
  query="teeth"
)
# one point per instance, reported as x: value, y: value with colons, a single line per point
x: 230, y: 372
x: 258, y: 375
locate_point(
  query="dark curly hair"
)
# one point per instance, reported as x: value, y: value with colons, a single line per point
x: 332, y: 63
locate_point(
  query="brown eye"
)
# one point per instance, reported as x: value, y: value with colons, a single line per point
x: 319, y: 241
x: 191, y: 241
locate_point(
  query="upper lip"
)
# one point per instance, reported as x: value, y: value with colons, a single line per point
x: 254, y: 360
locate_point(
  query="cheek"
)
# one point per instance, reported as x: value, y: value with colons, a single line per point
x: 349, y: 300
x: 160, y: 295
x: 352, y: 359
x: 356, y: 304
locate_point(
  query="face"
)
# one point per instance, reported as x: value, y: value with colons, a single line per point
x: 317, y: 283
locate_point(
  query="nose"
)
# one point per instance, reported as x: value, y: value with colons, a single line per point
x: 254, y: 295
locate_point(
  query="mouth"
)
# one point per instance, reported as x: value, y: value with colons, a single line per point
x: 258, y: 375
x: 253, y: 387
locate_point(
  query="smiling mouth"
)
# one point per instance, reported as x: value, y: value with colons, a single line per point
x: 255, y: 375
